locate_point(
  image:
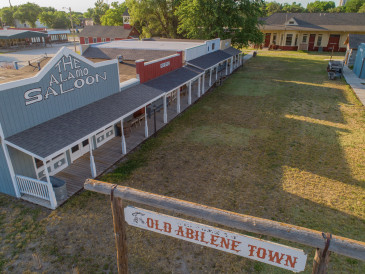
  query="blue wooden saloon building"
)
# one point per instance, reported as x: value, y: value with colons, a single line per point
x: 74, y: 106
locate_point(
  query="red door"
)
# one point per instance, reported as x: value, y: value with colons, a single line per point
x: 333, y: 42
x: 312, y: 38
x: 267, y: 39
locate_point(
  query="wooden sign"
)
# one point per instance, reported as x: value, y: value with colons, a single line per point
x: 263, y: 251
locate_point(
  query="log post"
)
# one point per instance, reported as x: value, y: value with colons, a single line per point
x: 322, y: 257
x: 119, y: 232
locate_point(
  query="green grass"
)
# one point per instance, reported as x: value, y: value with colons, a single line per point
x: 277, y: 140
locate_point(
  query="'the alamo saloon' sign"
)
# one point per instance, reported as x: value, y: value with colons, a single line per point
x: 67, y: 82
x: 263, y: 251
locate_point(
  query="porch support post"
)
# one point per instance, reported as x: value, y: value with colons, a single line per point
x: 52, y: 196
x: 92, y: 162
x: 189, y: 96
x: 145, y: 122
x: 124, y: 146
x: 226, y: 67
x: 11, y: 168
x: 178, y: 101
x: 164, y: 109
x: 216, y: 73
x: 203, y: 84
x: 199, y: 80
x: 210, y: 78
x: 231, y: 65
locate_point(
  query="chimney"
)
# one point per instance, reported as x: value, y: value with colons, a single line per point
x: 140, y: 70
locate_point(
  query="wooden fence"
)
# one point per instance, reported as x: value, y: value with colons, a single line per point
x: 323, y: 242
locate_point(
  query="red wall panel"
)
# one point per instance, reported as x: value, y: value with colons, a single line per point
x: 99, y: 39
x: 82, y: 40
x: 159, y: 67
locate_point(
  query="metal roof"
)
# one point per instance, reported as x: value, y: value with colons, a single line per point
x: 20, y: 34
x: 75, y: 125
x: 105, y: 31
x: 209, y: 60
x: 173, y: 79
x: 355, y: 40
x: 128, y: 54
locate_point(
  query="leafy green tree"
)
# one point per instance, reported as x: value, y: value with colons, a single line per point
x: 320, y: 6
x: 48, y: 9
x: 114, y: 15
x: 273, y: 7
x: 7, y: 16
x: 293, y: 7
x: 89, y: 13
x: 362, y: 9
x: 28, y: 13
x: 154, y: 17
x: 56, y: 20
x: 208, y: 19
x: 354, y: 5
x: 337, y: 9
x: 99, y: 10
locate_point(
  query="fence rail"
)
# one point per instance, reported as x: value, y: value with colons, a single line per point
x: 305, y: 236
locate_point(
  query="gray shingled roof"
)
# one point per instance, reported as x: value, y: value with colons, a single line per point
x: 232, y: 51
x: 173, y: 79
x: 355, y: 40
x: 105, y: 32
x: 128, y: 54
x: 316, y: 21
x: 210, y: 59
x: 20, y: 34
x: 75, y: 125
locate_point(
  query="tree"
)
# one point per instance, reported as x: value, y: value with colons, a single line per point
x: 114, y: 15
x: 56, y: 20
x: 99, y: 10
x: 337, y: 9
x: 208, y: 19
x: 154, y: 17
x: 362, y: 9
x: 7, y: 16
x: 293, y: 8
x: 89, y: 13
x: 28, y: 13
x: 320, y: 6
x: 273, y: 7
x: 354, y: 5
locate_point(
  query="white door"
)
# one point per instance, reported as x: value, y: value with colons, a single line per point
x: 79, y: 150
x: 54, y: 166
x: 104, y: 136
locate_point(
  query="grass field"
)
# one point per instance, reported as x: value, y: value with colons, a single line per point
x: 277, y: 140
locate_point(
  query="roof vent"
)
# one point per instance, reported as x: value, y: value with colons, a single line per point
x: 120, y: 58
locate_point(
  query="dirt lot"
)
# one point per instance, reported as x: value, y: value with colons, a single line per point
x: 277, y: 140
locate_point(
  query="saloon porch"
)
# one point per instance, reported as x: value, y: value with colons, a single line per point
x: 86, y: 142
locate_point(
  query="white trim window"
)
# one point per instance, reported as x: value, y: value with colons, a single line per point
x: 305, y: 38
x: 86, y: 41
x: 103, y: 39
x: 289, y: 39
x: 319, y: 40
x: 95, y: 40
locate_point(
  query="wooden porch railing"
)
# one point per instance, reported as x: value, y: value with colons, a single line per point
x: 36, y: 188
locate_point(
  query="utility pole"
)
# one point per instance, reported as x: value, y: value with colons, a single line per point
x: 72, y: 24
x: 10, y: 4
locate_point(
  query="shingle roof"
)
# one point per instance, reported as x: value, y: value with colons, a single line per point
x: 173, y: 79
x: 208, y: 60
x: 128, y: 54
x: 355, y: 40
x: 126, y: 12
x: 105, y: 32
x: 20, y: 34
x: 317, y: 21
x: 232, y: 51
x: 75, y: 125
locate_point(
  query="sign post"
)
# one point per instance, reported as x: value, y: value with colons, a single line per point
x: 120, y: 233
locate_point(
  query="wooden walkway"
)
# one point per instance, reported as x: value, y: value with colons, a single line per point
x: 111, y: 152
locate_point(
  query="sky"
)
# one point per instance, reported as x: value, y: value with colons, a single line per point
x: 83, y: 5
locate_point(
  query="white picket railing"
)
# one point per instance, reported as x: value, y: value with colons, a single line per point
x: 36, y: 188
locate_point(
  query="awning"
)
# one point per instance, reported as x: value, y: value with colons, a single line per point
x: 232, y: 51
x: 174, y: 79
x: 20, y: 34
x: 55, y: 135
x: 209, y: 60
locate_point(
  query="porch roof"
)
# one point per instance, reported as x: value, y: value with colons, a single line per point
x: 58, y: 134
x: 174, y: 79
x: 209, y: 60
x: 232, y: 51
